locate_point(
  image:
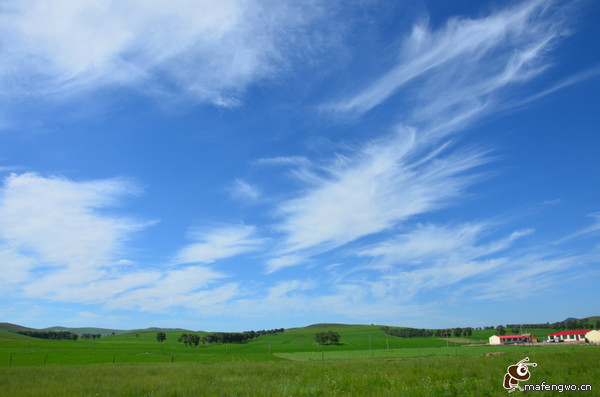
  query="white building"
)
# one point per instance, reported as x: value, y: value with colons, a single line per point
x: 593, y: 336
x: 568, y: 336
x: 509, y: 339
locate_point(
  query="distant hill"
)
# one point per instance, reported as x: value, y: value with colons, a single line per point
x: 14, y: 328
x: 6, y: 335
x: 156, y: 329
x: 592, y: 318
x: 88, y: 330
x: 109, y: 332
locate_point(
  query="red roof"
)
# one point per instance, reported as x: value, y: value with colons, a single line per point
x: 514, y: 336
x: 582, y: 332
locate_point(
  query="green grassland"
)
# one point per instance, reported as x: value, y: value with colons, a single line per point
x: 366, y: 362
x: 473, y: 375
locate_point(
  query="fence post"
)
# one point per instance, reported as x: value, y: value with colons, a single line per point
x: 45, y: 359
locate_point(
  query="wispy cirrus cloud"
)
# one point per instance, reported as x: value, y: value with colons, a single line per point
x: 372, y: 189
x: 221, y: 242
x: 208, y: 51
x: 452, y: 75
x: 432, y: 256
x: 535, y: 270
x: 461, y: 67
x: 432, y: 243
x: 283, y: 161
x: 244, y: 191
x: 196, y: 287
x: 594, y: 227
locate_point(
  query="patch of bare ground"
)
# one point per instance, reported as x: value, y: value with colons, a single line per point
x: 459, y: 340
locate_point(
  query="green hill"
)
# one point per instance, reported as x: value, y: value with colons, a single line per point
x: 11, y: 336
x: 14, y: 328
x: 87, y: 330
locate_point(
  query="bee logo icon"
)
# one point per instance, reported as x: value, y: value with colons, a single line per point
x: 516, y: 373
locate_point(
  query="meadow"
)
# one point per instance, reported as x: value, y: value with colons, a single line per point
x: 367, y: 362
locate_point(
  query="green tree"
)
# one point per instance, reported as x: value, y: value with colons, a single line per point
x: 457, y: 332
x: 333, y: 337
x: 500, y: 330
x: 329, y: 337
x: 161, y: 336
x: 321, y: 338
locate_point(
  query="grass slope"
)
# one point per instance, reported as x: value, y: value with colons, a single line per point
x: 14, y: 328
x: 11, y: 336
x: 357, y: 341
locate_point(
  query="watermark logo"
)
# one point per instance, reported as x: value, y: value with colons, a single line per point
x: 517, y: 373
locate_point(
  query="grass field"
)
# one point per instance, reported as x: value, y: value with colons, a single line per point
x: 473, y: 375
x: 368, y: 362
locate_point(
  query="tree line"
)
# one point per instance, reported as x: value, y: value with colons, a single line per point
x: 224, y: 337
x: 91, y: 336
x: 327, y: 338
x: 425, y: 333
x: 53, y: 335
x: 564, y: 325
x: 500, y: 329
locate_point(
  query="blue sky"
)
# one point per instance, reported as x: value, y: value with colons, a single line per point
x: 241, y: 165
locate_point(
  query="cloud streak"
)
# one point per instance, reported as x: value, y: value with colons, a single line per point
x: 208, y: 51
x: 57, y: 243
x: 458, y: 66
x: 372, y: 189
x: 219, y: 243
x: 60, y: 221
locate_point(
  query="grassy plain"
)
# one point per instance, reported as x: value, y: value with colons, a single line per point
x: 473, y: 375
x: 368, y: 362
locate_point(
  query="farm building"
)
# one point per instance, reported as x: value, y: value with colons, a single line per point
x: 509, y: 339
x: 568, y: 336
x: 593, y: 336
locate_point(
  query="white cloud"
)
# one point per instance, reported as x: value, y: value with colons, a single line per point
x: 431, y: 256
x: 586, y: 230
x: 373, y: 189
x: 244, y: 191
x: 428, y: 244
x: 57, y: 242
x: 60, y: 222
x: 207, y: 50
x: 283, y: 261
x: 164, y: 294
x: 219, y: 243
x: 14, y: 266
x: 283, y: 160
x: 533, y: 271
x: 284, y: 288
x: 461, y: 65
